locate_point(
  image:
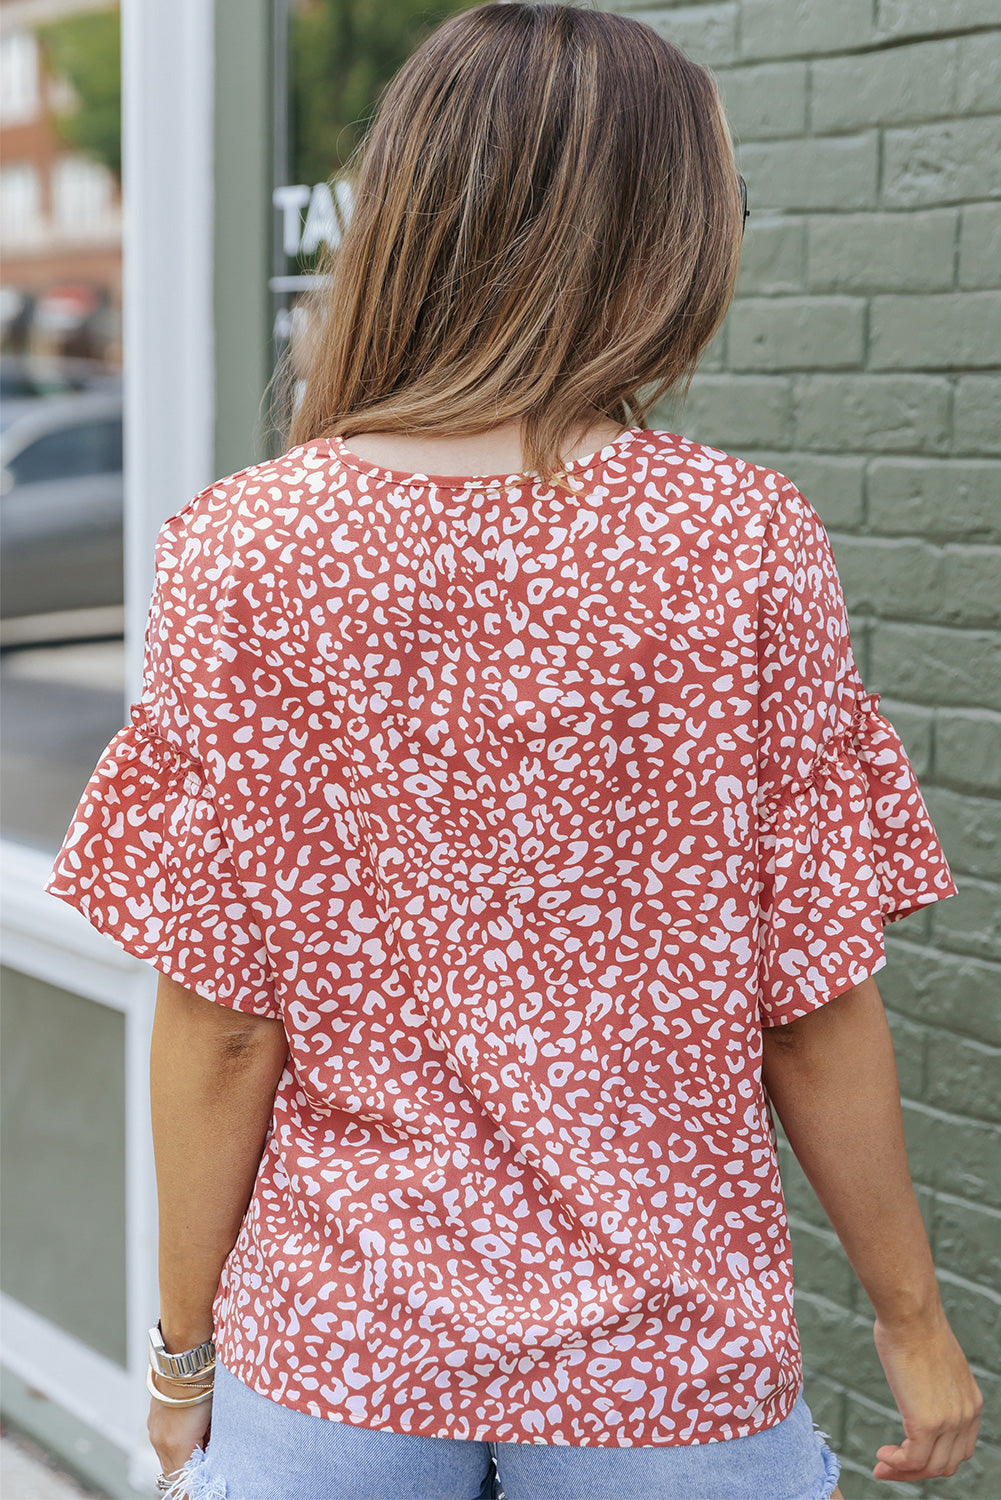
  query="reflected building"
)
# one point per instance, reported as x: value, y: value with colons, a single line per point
x: 60, y: 205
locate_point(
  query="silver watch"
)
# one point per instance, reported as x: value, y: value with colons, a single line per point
x: 183, y: 1365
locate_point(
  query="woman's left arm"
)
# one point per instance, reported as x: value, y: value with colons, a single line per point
x: 213, y: 1076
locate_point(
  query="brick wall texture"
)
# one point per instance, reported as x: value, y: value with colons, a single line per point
x: 862, y: 358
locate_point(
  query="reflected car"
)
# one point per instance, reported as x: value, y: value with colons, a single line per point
x: 61, y: 518
x: 25, y: 378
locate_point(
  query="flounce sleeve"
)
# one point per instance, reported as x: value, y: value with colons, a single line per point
x: 845, y: 840
x: 146, y: 861
x: 844, y: 851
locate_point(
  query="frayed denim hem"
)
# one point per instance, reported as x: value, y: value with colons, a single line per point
x: 192, y: 1483
x: 832, y: 1465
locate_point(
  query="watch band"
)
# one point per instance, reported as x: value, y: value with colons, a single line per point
x: 184, y: 1364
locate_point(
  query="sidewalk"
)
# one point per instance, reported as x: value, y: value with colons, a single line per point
x: 28, y: 1473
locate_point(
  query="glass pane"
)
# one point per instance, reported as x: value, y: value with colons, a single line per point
x: 339, y: 55
x: 63, y: 1177
x: 62, y: 585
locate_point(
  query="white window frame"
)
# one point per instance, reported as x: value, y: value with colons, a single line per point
x: 169, y: 382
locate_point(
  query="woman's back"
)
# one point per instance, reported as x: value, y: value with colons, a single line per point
x: 516, y: 812
x: 524, y: 808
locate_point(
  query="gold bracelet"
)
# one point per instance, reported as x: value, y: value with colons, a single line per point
x: 198, y: 1380
x: 175, y: 1400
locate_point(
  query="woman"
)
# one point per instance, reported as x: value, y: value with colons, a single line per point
x: 511, y: 828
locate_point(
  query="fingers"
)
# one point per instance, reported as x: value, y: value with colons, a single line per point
x: 931, y: 1456
x: 906, y: 1460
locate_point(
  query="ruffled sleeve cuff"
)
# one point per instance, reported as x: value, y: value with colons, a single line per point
x: 146, y: 861
x: 846, y: 850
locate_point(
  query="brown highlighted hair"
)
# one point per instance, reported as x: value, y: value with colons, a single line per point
x: 546, y: 225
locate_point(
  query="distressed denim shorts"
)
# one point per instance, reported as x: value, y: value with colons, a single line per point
x: 258, y: 1450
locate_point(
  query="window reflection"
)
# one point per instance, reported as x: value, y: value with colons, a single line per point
x: 93, y: 447
x: 61, y: 495
x: 340, y: 54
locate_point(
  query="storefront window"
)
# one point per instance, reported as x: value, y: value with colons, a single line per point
x: 338, y: 57
x: 62, y: 658
x: 61, y: 493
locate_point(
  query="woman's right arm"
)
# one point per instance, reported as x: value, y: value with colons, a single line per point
x: 832, y: 1078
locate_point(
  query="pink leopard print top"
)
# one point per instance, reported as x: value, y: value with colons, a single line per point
x: 524, y: 812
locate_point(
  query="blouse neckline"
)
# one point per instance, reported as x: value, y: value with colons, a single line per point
x: 578, y: 466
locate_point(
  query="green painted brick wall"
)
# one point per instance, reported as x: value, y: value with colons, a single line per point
x: 862, y: 358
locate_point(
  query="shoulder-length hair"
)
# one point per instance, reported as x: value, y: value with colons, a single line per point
x: 545, y: 224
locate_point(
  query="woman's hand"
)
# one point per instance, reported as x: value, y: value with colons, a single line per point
x: 176, y: 1431
x: 936, y: 1395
